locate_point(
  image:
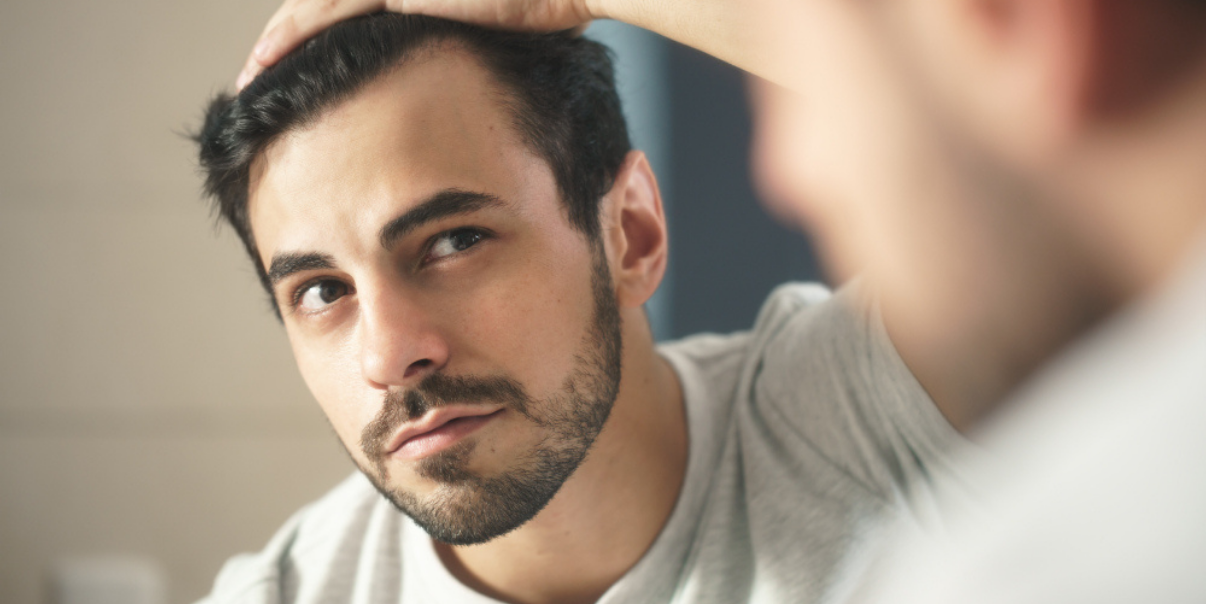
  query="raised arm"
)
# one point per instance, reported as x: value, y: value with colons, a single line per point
x: 731, y: 30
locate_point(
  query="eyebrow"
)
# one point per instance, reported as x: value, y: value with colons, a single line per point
x: 448, y: 202
x: 284, y: 265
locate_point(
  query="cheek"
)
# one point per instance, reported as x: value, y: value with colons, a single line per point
x: 848, y: 160
x: 528, y: 323
x: 778, y: 129
x: 333, y: 375
x: 836, y: 153
x: 811, y: 174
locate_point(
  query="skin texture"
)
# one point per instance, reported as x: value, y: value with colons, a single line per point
x: 520, y: 303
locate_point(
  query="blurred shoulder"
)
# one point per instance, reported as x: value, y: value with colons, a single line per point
x: 713, y: 352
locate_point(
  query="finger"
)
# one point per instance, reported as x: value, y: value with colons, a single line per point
x: 302, y: 20
x: 275, y: 43
x: 250, y: 70
x: 262, y: 54
x: 518, y: 15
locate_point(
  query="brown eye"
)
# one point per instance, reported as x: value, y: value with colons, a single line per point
x: 319, y: 294
x: 452, y: 242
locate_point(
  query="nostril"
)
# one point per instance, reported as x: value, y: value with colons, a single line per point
x: 418, y: 366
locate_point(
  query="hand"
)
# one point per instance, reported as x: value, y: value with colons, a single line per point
x: 298, y: 20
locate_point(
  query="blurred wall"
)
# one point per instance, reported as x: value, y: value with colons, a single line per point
x: 727, y: 253
x: 148, y: 401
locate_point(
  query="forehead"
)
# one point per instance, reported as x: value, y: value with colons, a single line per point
x: 437, y: 122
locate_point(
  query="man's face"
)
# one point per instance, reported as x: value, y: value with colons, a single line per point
x: 461, y: 337
x: 889, y: 182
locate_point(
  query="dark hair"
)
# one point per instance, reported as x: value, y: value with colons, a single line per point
x: 559, y: 89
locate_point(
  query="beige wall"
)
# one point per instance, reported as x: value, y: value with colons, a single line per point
x: 148, y: 402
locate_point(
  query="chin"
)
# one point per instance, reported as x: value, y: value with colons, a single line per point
x: 466, y: 507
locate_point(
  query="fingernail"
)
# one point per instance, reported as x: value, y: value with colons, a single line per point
x: 261, y: 48
x: 244, y: 78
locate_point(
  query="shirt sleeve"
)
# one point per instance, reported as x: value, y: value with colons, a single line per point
x: 828, y: 384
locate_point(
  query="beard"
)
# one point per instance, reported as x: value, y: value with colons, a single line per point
x: 468, y: 508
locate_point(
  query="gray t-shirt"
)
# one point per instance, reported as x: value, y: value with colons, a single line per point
x: 800, y: 431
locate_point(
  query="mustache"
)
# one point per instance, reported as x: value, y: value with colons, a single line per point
x: 438, y: 390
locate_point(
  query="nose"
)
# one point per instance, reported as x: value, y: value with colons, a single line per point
x: 399, y: 343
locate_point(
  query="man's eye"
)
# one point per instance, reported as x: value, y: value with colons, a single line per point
x: 449, y: 243
x: 318, y: 295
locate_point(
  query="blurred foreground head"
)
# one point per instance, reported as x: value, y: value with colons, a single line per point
x: 1007, y: 172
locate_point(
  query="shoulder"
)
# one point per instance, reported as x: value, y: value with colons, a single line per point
x: 718, y: 360
x: 789, y: 301
x: 826, y: 383
x: 314, y: 542
x: 817, y: 349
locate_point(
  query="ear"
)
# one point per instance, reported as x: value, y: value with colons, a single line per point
x: 634, y: 232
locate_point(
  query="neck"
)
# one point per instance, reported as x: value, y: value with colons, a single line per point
x: 606, y: 516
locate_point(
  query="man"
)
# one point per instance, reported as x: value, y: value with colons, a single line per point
x: 458, y: 240
x: 1021, y: 180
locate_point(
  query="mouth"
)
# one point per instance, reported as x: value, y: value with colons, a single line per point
x: 439, y: 430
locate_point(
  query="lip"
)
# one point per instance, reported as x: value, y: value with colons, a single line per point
x: 433, y: 432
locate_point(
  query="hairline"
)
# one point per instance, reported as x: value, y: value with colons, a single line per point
x: 508, y: 100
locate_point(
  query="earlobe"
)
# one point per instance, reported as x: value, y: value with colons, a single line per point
x: 636, y: 232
